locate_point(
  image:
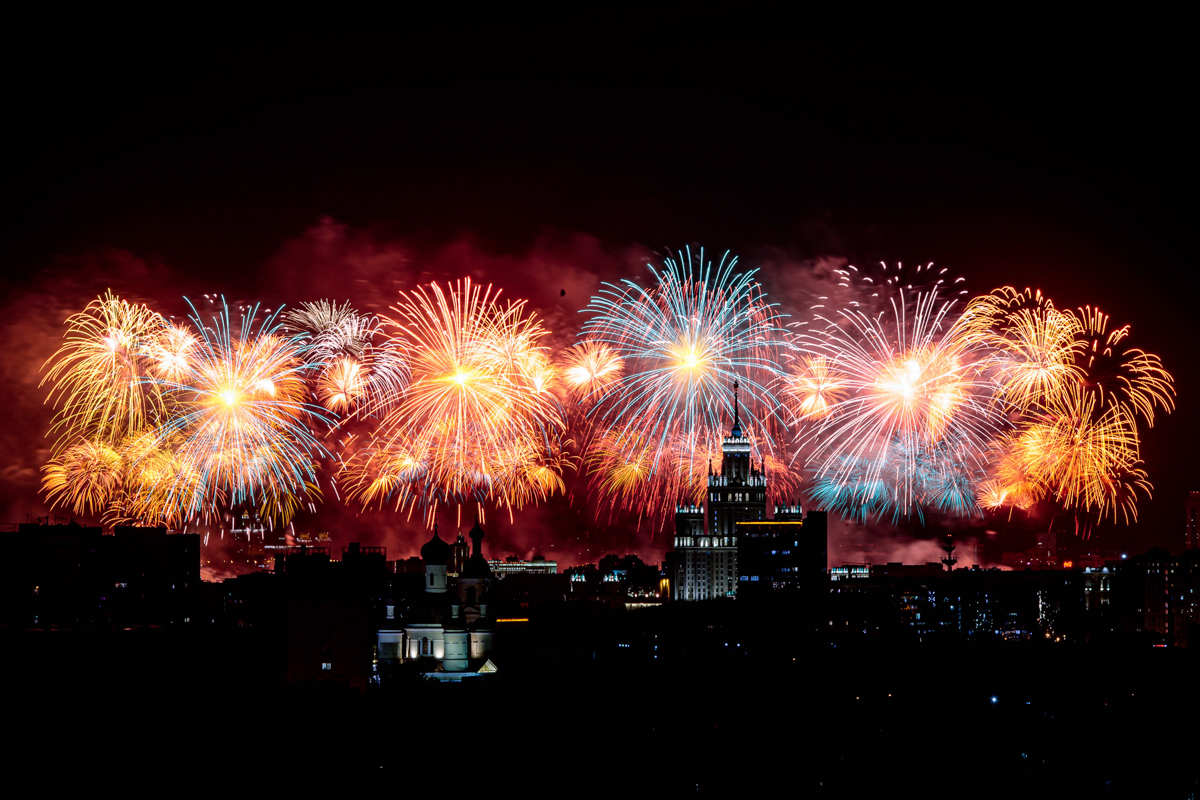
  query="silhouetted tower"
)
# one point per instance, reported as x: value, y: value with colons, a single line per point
x: 948, y: 546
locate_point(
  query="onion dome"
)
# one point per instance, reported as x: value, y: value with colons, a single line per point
x: 477, y: 567
x: 435, y: 551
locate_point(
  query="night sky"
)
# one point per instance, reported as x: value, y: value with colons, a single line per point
x: 1054, y: 153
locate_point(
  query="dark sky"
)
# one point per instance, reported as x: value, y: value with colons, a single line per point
x: 284, y: 166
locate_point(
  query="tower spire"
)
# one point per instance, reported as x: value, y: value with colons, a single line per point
x: 737, y: 421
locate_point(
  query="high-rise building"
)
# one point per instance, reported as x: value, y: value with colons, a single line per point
x: 787, y: 552
x: 1191, y: 528
x: 706, y: 537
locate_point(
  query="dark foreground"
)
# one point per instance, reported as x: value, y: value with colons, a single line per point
x: 867, y: 720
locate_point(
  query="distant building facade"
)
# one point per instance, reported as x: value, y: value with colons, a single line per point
x: 513, y: 565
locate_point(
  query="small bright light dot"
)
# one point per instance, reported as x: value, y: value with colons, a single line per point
x: 993, y: 699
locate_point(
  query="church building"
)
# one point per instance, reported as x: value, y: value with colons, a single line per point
x: 449, y: 631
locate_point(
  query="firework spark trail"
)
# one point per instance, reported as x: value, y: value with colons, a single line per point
x: 355, y: 369
x: 477, y: 421
x: 907, y: 384
x: 1118, y: 373
x: 1082, y: 455
x: 244, y: 419
x: 1034, y: 345
x: 101, y: 376
x: 681, y: 345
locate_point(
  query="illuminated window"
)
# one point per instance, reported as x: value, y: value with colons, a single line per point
x: 326, y: 666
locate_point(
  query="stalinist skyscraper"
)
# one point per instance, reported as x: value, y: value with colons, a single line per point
x: 705, y: 538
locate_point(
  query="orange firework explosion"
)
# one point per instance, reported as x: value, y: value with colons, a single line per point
x: 1118, y: 373
x: 1035, y: 345
x: 101, y: 378
x: 84, y: 477
x: 1077, y: 387
x: 170, y: 352
x: 341, y: 384
x: 812, y: 386
x: 1074, y: 452
x: 1011, y: 486
x: 589, y: 367
x: 476, y: 420
x: 137, y: 480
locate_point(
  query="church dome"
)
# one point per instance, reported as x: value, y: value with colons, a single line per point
x: 435, y: 551
x: 477, y: 567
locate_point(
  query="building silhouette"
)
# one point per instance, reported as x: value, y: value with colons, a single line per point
x: 788, y: 552
x: 72, y: 576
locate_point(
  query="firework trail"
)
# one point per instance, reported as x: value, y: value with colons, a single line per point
x: 244, y: 419
x: 476, y: 421
x: 893, y: 407
x: 657, y: 418
x: 1117, y: 373
x: 1079, y: 388
x: 355, y: 366
x: 1034, y: 345
x: 101, y: 377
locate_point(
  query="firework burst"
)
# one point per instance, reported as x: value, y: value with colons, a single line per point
x: 1116, y: 372
x: 589, y: 368
x: 1034, y: 345
x: 659, y: 364
x: 908, y: 411
x: 476, y: 421
x: 355, y: 366
x: 102, y: 378
x: 244, y: 419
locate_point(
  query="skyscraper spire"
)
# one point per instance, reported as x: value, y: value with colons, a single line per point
x: 736, y: 431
